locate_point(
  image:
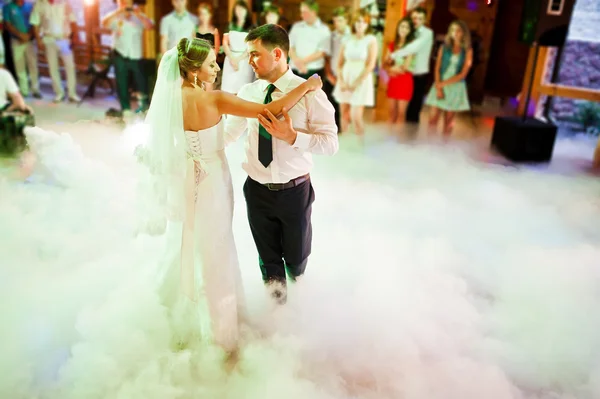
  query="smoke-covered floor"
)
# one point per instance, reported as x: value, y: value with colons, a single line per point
x: 439, y: 271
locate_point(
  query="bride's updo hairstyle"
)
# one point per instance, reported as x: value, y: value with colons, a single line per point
x: 191, y: 54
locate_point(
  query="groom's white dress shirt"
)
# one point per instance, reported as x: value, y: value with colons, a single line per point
x: 313, y: 119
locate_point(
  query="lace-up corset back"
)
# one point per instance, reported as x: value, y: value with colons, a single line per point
x: 207, y: 143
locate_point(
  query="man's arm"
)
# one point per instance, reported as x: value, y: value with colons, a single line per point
x: 235, y: 126
x: 147, y: 23
x: 293, y: 56
x: 73, y: 23
x: 323, y: 49
x: 34, y: 20
x: 108, y: 21
x: 17, y: 101
x: 322, y: 137
x: 416, y: 45
x: 10, y: 27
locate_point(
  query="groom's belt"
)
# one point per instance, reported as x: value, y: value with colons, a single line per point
x: 284, y: 186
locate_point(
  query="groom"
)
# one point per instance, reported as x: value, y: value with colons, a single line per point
x: 278, y: 191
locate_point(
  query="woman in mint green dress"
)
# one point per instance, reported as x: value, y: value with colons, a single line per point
x: 448, y: 95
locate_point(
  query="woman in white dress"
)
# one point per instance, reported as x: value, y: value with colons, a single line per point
x: 354, y: 89
x: 185, y: 154
x: 236, y: 70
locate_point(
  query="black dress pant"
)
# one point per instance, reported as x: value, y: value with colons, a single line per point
x: 280, y: 222
x: 123, y: 68
x: 416, y: 102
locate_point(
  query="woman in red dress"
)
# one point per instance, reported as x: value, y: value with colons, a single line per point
x: 400, y: 84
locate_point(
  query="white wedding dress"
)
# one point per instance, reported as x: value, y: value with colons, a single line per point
x: 191, y: 184
x: 213, y: 276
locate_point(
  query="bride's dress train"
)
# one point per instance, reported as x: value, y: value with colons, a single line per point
x: 75, y: 263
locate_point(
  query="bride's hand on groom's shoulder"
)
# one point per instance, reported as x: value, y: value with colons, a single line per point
x: 314, y: 82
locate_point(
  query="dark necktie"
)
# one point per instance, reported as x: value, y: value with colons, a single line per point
x: 265, y: 144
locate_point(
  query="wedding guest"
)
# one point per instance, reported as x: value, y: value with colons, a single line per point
x: 421, y: 47
x: 10, y: 96
x: 176, y: 25
x: 16, y: 21
x: 206, y: 30
x: 449, y: 92
x: 355, y: 88
x: 236, y: 70
x: 271, y: 15
x: 55, y: 30
x: 341, y: 32
x: 400, y: 83
x: 128, y: 23
x: 310, y: 42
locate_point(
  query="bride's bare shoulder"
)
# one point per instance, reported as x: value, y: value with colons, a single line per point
x: 197, y: 95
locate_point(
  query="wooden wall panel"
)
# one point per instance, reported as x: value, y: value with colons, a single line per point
x: 508, y: 56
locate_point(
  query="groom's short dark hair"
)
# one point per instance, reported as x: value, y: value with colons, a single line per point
x: 270, y: 36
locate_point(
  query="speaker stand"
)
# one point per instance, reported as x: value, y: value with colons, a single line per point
x: 99, y: 76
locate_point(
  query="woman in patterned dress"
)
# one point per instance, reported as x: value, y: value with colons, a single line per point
x: 448, y: 95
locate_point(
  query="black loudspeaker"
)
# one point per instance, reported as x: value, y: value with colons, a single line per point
x: 524, y: 140
x: 546, y: 22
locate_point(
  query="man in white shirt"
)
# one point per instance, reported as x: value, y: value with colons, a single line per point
x: 278, y: 191
x: 10, y: 96
x: 55, y: 30
x: 128, y: 23
x: 421, y: 47
x: 310, y: 42
x: 176, y: 25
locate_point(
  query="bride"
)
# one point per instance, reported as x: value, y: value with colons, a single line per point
x: 191, y: 179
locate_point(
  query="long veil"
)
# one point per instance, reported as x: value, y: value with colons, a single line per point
x: 165, y: 156
x: 173, y: 184
x: 164, y: 152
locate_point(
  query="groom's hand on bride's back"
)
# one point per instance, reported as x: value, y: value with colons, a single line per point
x: 281, y: 129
